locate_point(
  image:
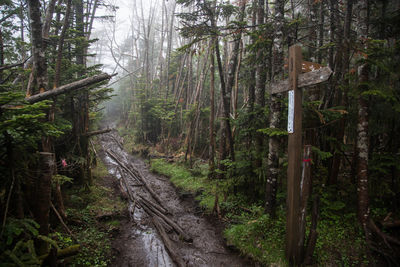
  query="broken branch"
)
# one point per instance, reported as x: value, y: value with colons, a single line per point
x: 88, y: 134
x: 68, y: 88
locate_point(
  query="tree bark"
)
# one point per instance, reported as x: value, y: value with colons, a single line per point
x: 38, y: 81
x: 43, y: 197
x: 362, y: 125
x: 344, y: 81
x: 211, y: 162
x: 275, y: 107
x: 61, y: 44
x: 68, y: 88
x: 48, y: 19
x: 260, y: 76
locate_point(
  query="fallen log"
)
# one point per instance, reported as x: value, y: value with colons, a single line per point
x: 173, y: 224
x: 391, y: 224
x: 65, y: 252
x: 137, y: 176
x: 128, y: 190
x: 121, y: 164
x: 161, y: 209
x: 68, y: 88
x: 117, y: 141
x: 168, y: 244
x: 88, y: 134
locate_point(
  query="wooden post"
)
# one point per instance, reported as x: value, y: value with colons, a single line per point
x: 293, y: 252
x: 315, y: 74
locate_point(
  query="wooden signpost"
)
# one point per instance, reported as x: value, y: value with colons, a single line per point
x: 294, y: 86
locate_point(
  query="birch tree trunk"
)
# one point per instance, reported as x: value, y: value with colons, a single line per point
x: 362, y: 125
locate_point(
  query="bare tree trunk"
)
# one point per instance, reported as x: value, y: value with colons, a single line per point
x: 321, y: 30
x: 169, y: 46
x: 260, y: 76
x: 61, y: 44
x: 337, y: 156
x: 275, y: 108
x: 89, y: 24
x: 39, y: 81
x: 41, y: 208
x: 1, y: 55
x: 227, y: 89
x: 211, y: 162
x: 49, y: 17
x: 252, y: 96
x: 362, y: 125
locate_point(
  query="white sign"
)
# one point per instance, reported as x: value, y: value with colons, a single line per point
x: 290, y: 120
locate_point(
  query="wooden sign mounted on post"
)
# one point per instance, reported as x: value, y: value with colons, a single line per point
x: 294, y: 86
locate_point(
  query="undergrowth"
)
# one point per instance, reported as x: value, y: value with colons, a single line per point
x: 84, y: 207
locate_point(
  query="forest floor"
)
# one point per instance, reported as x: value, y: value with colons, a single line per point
x: 138, y: 243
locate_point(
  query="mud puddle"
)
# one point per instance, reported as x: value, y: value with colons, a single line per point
x: 140, y: 244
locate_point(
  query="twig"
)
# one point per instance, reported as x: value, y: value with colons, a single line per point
x: 8, y: 202
x: 62, y: 222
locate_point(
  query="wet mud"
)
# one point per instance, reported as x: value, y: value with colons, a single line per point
x: 139, y: 243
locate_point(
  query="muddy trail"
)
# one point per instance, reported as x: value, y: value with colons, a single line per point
x: 164, y: 228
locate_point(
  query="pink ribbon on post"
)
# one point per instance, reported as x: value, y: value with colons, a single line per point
x: 64, y: 163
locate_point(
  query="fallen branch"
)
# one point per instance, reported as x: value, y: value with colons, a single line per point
x: 88, y: 134
x: 62, y: 222
x: 375, y: 229
x: 68, y: 88
x: 117, y: 141
x: 5, y: 67
x: 391, y: 224
x: 64, y: 253
x: 385, y: 237
x: 389, y: 259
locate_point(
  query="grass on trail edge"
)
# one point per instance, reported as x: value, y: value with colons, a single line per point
x: 84, y: 206
x: 194, y: 181
x: 340, y: 241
